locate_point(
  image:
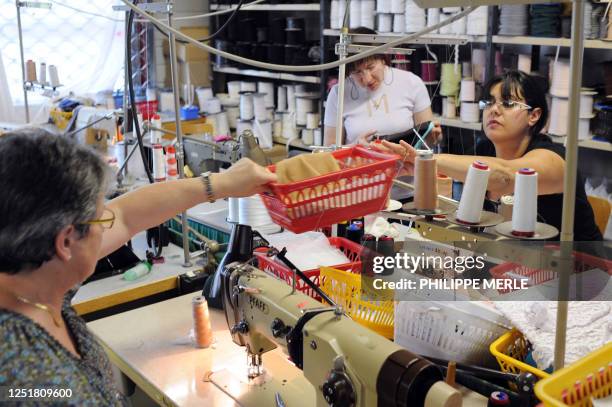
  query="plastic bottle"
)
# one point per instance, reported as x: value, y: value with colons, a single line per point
x: 138, y: 271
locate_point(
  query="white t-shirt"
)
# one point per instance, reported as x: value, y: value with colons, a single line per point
x: 388, y: 110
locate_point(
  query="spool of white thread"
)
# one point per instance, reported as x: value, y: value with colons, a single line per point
x: 433, y: 17
x: 447, y: 29
x: 166, y: 101
x: 449, y: 107
x: 584, y: 131
x: 233, y: 115
x: 474, y: 190
x: 385, y: 22
x: 277, y: 129
x: 268, y: 89
x: 269, y: 113
x: 477, y: 21
x: 233, y: 89
x: 299, y: 88
x: 470, y: 113
x: 586, y: 104
x: 341, y: 12
x: 333, y: 15
x: 259, y: 107
x: 252, y: 212
x: 308, y: 137
x: 304, y: 105
x: 399, y: 23
x: 558, y: 116
x: 222, y: 121
x: 281, y: 104
x: 233, y: 210
x: 383, y: 6
x: 318, y: 137
x: 312, y: 121
x: 355, y: 14
x: 246, y: 106
x: 468, y: 90
x: 398, y: 6
x: 524, y: 63
x: 243, y: 125
x: 159, y: 164
x: 212, y: 106
x: 459, y: 27
x: 291, y: 98
x: 203, y: 95
x: 53, y: 76
x: 289, y: 127
x: 478, y: 64
x: 42, y: 77
x: 560, y: 79
x: 525, y: 208
x: 367, y: 13
x: 248, y: 86
x: 415, y: 17
x: 263, y: 132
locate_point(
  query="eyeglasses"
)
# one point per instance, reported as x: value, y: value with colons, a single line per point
x: 369, y: 69
x: 107, y: 220
x: 502, y: 104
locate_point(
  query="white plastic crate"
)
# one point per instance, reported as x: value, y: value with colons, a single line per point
x: 460, y: 331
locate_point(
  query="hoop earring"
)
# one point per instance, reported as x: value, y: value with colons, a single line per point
x: 354, y: 89
x: 391, y: 69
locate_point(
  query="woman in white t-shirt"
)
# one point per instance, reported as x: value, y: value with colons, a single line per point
x: 377, y: 99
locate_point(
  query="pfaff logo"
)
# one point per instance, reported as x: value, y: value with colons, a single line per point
x: 260, y: 305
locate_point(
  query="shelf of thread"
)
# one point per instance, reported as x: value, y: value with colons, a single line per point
x: 433, y: 39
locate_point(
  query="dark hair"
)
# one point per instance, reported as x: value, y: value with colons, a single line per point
x: 48, y: 182
x: 352, y: 67
x: 517, y: 84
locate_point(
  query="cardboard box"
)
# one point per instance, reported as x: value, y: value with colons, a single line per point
x: 188, y: 52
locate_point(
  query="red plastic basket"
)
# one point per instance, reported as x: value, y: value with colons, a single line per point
x: 351, y: 249
x: 360, y: 187
x: 582, y: 262
x: 147, y: 108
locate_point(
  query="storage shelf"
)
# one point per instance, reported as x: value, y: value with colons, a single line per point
x: 272, y: 7
x: 267, y: 74
x: 435, y: 39
x: 458, y: 123
x: 592, y: 144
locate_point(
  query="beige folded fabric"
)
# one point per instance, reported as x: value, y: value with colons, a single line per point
x: 305, y: 166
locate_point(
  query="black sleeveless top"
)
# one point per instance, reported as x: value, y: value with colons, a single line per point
x: 550, y: 207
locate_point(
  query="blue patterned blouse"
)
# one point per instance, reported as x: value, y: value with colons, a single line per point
x: 30, y: 358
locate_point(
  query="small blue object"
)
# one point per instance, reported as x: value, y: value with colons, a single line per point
x: 190, y: 112
x: 118, y: 98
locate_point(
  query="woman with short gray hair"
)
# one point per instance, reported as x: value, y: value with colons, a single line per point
x: 54, y: 226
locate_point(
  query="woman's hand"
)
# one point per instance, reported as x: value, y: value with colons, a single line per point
x: 364, y: 139
x: 404, y: 150
x: 436, y: 134
x: 244, y: 178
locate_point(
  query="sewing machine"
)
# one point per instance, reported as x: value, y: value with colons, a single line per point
x: 202, y: 155
x: 343, y: 363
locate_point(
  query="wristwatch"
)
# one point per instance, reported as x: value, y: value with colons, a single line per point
x: 207, y: 186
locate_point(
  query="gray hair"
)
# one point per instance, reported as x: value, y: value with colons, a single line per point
x: 47, y: 182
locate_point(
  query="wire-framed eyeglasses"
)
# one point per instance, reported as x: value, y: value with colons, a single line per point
x: 107, y: 220
x: 503, y: 104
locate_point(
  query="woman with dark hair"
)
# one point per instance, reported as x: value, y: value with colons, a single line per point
x: 377, y: 99
x: 514, y: 114
x: 54, y: 226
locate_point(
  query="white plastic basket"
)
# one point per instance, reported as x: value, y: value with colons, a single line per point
x: 460, y: 331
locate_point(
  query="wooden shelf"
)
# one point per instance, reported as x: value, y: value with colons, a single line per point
x: 434, y: 39
x: 553, y: 42
x: 267, y: 74
x: 458, y: 123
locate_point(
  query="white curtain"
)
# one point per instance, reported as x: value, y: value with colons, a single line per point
x: 6, y: 102
x: 84, y: 40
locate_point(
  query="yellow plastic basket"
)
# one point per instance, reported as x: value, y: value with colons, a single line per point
x: 510, y: 350
x: 576, y: 384
x: 344, y: 288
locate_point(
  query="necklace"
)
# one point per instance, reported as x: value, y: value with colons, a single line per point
x: 46, y: 308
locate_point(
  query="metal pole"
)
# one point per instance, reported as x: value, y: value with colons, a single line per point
x: 179, y: 133
x: 23, y: 70
x: 125, y: 98
x: 342, y: 53
x: 569, y: 186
